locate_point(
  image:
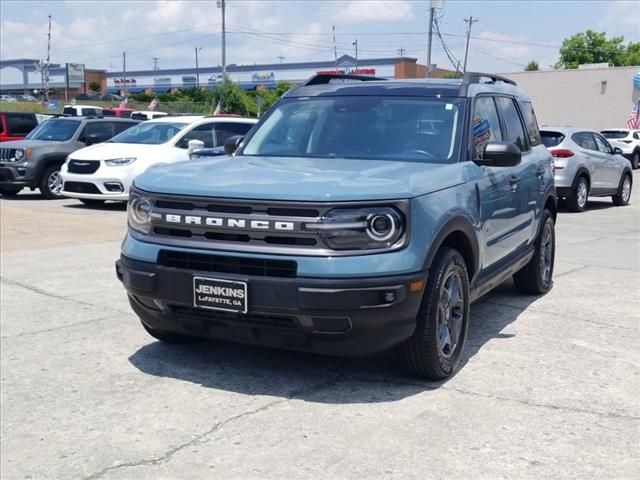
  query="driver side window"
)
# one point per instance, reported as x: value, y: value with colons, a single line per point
x: 485, y: 125
x: 603, y: 145
x: 205, y: 133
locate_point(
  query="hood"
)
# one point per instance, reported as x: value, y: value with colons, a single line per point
x: 28, y: 143
x: 107, y: 151
x: 303, y: 179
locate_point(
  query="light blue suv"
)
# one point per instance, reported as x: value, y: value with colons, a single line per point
x: 358, y: 215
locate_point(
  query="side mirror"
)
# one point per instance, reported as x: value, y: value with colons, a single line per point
x: 617, y: 151
x: 500, y: 154
x: 194, y: 145
x: 232, y: 144
x: 94, y: 138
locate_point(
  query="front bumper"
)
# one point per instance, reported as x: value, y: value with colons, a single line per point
x: 94, y: 186
x: 15, y: 175
x: 351, y: 317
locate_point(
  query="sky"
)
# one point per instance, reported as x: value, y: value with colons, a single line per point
x: 507, y: 35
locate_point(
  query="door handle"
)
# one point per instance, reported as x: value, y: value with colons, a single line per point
x: 540, y: 171
x: 514, y: 180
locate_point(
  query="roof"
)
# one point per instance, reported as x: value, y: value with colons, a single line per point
x: 566, y: 129
x: 176, y: 118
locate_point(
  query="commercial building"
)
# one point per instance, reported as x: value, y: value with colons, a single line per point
x: 592, y: 96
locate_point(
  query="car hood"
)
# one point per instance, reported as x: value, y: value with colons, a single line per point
x: 303, y: 179
x: 28, y: 143
x: 107, y: 151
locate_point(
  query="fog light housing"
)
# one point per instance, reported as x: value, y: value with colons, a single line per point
x: 115, y: 187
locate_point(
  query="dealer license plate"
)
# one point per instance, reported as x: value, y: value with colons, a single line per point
x: 218, y: 294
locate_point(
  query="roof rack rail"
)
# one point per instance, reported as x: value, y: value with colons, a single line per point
x: 475, y: 77
x: 324, y: 78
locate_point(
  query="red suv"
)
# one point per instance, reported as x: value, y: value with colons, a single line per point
x: 16, y: 125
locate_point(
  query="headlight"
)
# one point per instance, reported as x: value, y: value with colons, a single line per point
x: 19, y: 155
x: 118, y: 162
x: 360, y: 228
x: 139, y: 212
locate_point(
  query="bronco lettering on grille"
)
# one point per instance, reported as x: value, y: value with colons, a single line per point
x: 239, y: 223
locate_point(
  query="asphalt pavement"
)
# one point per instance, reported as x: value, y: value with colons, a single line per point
x: 550, y: 387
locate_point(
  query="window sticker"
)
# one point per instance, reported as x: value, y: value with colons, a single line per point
x: 481, y: 132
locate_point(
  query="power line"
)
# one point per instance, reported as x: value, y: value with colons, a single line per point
x: 454, y: 61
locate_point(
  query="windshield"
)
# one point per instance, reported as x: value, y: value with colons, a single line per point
x: 54, y: 130
x: 613, y: 134
x: 551, y: 139
x: 149, y: 133
x: 389, y: 128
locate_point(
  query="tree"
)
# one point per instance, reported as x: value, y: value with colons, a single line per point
x: 95, y: 87
x: 532, y: 66
x: 233, y: 99
x: 594, y: 47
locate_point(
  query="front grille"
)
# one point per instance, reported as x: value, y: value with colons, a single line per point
x: 256, y: 267
x: 271, y: 320
x: 7, y: 153
x: 80, y: 187
x: 83, y: 166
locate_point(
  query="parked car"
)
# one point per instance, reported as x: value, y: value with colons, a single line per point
x: 16, y: 125
x: 87, y: 97
x: 147, y: 114
x: 35, y: 161
x: 28, y: 98
x: 110, y: 97
x: 7, y: 99
x: 81, y: 110
x: 105, y: 172
x: 628, y: 141
x: 586, y: 165
x: 118, y: 112
x: 343, y: 226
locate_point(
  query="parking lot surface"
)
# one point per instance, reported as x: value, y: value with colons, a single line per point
x: 548, y: 389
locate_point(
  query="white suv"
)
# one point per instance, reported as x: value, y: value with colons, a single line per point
x: 626, y: 140
x: 105, y: 171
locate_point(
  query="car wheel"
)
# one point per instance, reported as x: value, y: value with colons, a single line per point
x: 435, y: 348
x: 536, y: 277
x: 51, y: 183
x: 92, y: 203
x: 168, y: 337
x: 635, y: 160
x: 9, y: 191
x: 577, y: 200
x: 624, y: 191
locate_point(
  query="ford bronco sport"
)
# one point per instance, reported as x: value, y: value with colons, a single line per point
x: 358, y: 215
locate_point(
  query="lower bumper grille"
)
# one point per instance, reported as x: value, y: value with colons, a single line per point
x: 81, y: 187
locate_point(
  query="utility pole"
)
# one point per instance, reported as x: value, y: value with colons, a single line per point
x: 335, y: 48
x: 470, y: 21
x: 221, y: 5
x: 197, y: 68
x: 46, y: 67
x: 355, y: 44
x: 281, y: 58
x: 155, y: 62
x: 431, y: 10
x: 124, y: 72
x: 401, y: 51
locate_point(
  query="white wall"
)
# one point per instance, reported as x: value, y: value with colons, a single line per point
x: 579, y: 98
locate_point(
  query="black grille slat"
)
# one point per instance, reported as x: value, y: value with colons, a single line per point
x: 81, y: 187
x: 83, y: 166
x: 256, y: 267
x: 282, y: 321
x: 7, y: 153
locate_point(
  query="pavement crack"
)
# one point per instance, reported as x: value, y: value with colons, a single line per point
x: 166, y: 456
x: 61, y: 327
x: 568, y: 272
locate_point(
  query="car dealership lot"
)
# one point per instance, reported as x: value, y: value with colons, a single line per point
x: 549, y: 388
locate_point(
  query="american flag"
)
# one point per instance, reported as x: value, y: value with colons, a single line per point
x: 633, y: 120
x: 218, y: 109
x: 154, y: 103
x: 123, y: 103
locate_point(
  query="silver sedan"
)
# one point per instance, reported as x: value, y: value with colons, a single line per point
x: 585, y: 165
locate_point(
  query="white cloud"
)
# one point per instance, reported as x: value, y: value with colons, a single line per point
x: 623, y: 18
x: 375, y: 11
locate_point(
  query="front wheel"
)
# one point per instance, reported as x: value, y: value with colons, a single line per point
x: 624, y: 191
x: 577, y: 199
x: 51, y: 183
x: 536, y: 277
x: 435, y: 349
x: 635, y: 160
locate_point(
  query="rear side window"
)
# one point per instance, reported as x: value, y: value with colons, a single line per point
x: 119, y: 127
x: 614, y: 134
x: 89, y: 112
x: 21, y: 123
x: 636, y: 135
x: 228, y: 129
x: 531, y: 123
x: 69, y: 111
x: 551, y: 139
x: 585, y: 140
x: 108, y: 113
x: 485, y: 126
x: 104, y: 130
x: 514, y: 130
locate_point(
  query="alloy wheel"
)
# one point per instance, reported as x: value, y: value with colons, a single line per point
x: 450, y: 314
x: 54, y: 182
x: 582, y: 193
x: 626, y: 189
x: 546, y: 253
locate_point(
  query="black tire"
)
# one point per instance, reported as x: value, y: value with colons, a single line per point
x: 577, y: 199
x: 9, y: 191
x: 168, y: 337
x: 624, y: 195
x: 423, y: 354
x: 536, y: 277
x: 47, y: 190
x: 635, y: 160
x: 92, y: 203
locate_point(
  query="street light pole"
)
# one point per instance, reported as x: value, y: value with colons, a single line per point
x: 221, y: 5
x: 355, y: 44
x: 197, y: 68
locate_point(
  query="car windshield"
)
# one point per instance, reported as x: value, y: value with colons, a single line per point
x: 150, y: 133
x: 388, y: 128
x: 613, y: 134
x: 551, y: 139
x: 54, y: 130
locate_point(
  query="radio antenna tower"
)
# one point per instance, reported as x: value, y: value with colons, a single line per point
x: 46, y: 66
